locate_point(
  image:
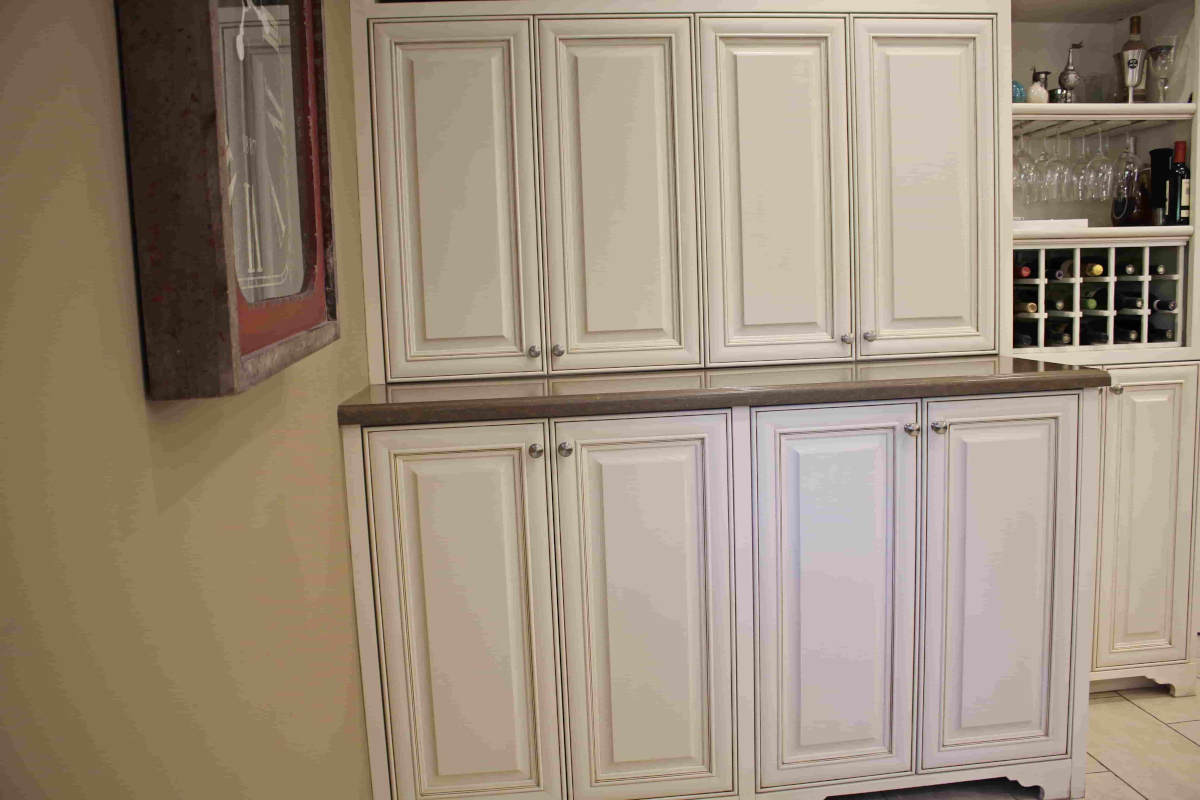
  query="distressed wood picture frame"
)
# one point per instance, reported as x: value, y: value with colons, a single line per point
x: 224, y: 104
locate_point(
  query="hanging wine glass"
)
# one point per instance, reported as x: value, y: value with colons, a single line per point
x: 1125, y: 183
x: 1056, y: 172
x: 1079, y: 172
x: 1023, y: 172
x: 1100, y: 172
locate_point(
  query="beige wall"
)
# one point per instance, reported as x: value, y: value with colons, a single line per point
x: 176, y: 613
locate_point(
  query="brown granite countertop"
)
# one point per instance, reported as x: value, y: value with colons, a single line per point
x: 688, y: 390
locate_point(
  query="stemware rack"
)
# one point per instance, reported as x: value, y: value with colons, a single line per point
x: 1044, y: 254
x: 1076, y: 119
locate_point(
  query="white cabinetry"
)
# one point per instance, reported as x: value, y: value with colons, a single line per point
x: 925, y: 153
x: 621, y: 224
x: 1144, y: 574
x: 1000, y: 555
x: 837, y: 531
x: 646, y: 540
x: 456, y: 200
x: 463, y: 569
x: 776, y: 171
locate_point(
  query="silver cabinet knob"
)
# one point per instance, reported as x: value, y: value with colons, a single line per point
x: 536, y: 450
x: 565, y: 449
x: 912, y: 429
x: 847, y: 338
x: 1116, y: 389
x: 869, y: 336
x: 939, y: 425
x: 534, y: 351
x: 557, y: 351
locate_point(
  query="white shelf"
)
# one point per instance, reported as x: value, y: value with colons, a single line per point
x: 1046, y: 119
x: 1152, y: 235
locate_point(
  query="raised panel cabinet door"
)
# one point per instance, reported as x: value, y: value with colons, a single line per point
x: 645, y: 539
x: 460, y: 531
x: 620, y: 184
x: 925, y: 108
x: 776, y: 188
x: 836, y: 527
x: 1143, y: 586
x: 1000, y: 555
x: 458, y: 242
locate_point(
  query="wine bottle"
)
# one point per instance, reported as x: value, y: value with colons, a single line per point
x: 1061, y: 270
x: 1058, y: 334
x: 1094, y: 331
x: 1166, y: 335
x: 1093, y: 270
x: 1129, y: 269
x: 1025, y: 334
x: 1158, y: 269
x: 1179, y: 189
x: 1059, y: 298
x: 1160, y: 303
x: 1162, y: 322
x: 1093, y: 296
x: 1130, y: 299
x: 1022, y: 271
x: 1127, y: 330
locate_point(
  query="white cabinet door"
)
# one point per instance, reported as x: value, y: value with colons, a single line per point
x: 1000, y: 554
x: 463, y: 555
x: 458, y: 244
x: 776, y: 188
x: 836, y: 527
x: 925, y: 118
x: 620, y: 191
x: 1146, y: 527
x: 645, y: 537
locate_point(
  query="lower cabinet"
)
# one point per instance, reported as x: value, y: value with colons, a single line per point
x: 463, y: 569
x: 1146, y: 532
x: 836, y: 527
x: 904, y: 573
x: 645, y: 533
x: 999, y: 572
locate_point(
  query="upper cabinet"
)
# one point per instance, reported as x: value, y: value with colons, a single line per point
x: 925, y: 105
x: 457, y: 233
x: 621, y: 226
x: 581, y: 192
x: 776, y: 188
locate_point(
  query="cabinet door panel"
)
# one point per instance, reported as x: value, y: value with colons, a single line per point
x: 453, y: 116
x: 620, y: 191
x: 465, y: 600
x: 644, y: 522
x: 1000, y: 557
x: 836, y: 527
x: 1146, y: 529
x: 776, y: 188
x: 926, y: 184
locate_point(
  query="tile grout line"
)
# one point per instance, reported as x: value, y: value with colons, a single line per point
x: 1166, y: 725
x: 1122, y: 780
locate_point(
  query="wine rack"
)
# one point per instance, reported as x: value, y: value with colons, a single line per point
x: 1137, y: 302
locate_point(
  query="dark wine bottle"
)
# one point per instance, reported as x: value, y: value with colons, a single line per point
x: 1058, y: 334
x: 1166, y: 335
x: 1130, y: 299
x: 1158, y: 269
x: 1129, y: 269
x: 1127, y: 330
x: 1160, y: 303
x: 1025, y: 334
x: 1059, y: 298
x: 1022, y: 271
x: 1179, y: 189
x: 1094, y: 331
x: 1163, y: 322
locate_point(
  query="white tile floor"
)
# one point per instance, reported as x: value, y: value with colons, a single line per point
x: 1143, y: 744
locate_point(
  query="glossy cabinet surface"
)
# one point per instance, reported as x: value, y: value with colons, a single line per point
x: 646, y: 538
x: 621, y: 218
x: 1144, y: 574
x: 457, y: 204
x: 776, y: 186
x: 836, y: 527
x: 1000, y: 547
x: 925, y: 130
x: 465, y: 605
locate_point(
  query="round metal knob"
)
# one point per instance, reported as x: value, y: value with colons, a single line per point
x: 847, y: 338
x: 565, y: 449
x: 536, y: 450
x: 912, y: 429
x: 557, y: 351
x: 869, y: 336
x: 939, y: 425
x: 1116, y: 389
x: 534, y: 351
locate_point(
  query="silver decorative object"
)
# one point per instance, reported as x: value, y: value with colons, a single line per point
x: 1068, y: 79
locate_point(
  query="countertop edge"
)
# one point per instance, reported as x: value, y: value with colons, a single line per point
x: 701, y: 399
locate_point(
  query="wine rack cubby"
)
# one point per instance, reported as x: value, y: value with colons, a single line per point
x: 1098, y: 296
